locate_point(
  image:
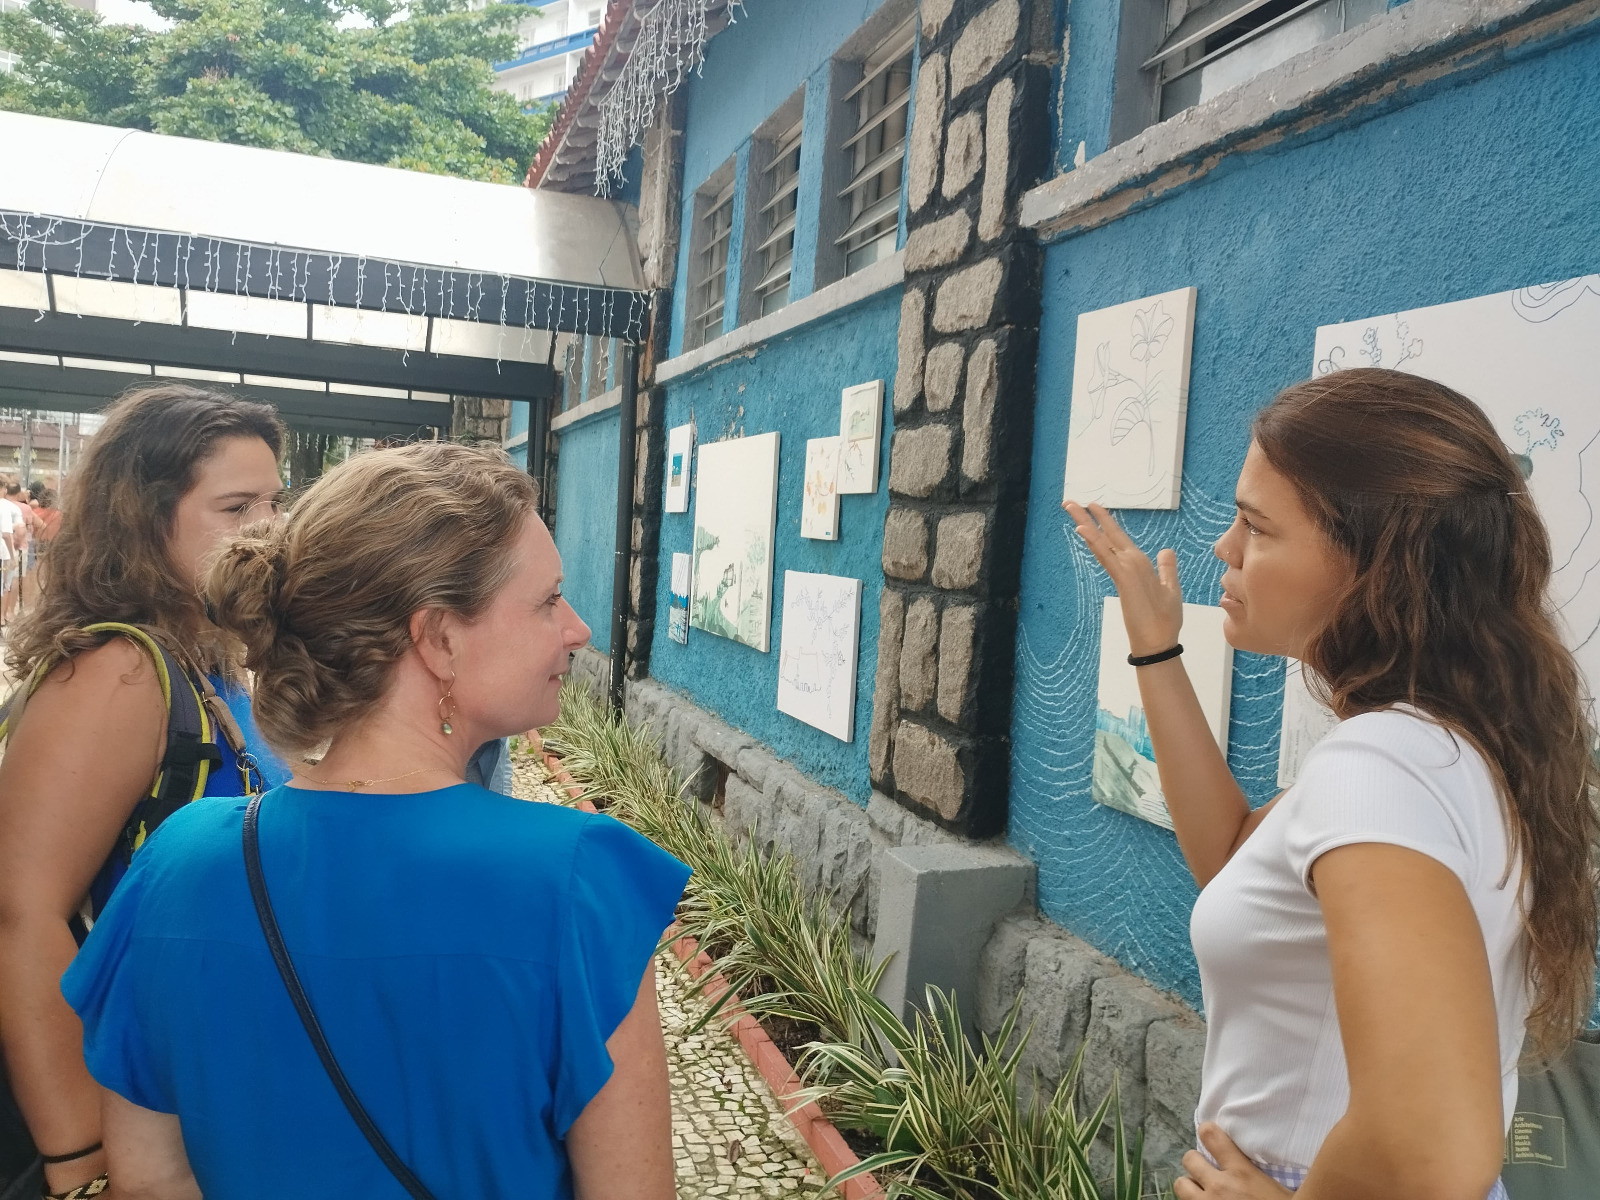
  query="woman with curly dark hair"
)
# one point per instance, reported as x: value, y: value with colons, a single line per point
x: 174, y: 470
x: 1376, y: 943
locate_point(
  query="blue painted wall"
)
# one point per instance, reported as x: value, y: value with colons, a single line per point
x: 792, y: 386
x: 750, y: 69
x: 586, y: 518
x: 1478, y: 186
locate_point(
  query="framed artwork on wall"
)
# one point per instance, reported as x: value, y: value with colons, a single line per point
x: 1129, y: 400
x: 861, y: 432
x: 817, y: 656
x: 678, y: 610
x: 1125, y: 775
x: 680, y: 463
x: 1528, y: 358
x: 819, y: 510
x: 735, y: 521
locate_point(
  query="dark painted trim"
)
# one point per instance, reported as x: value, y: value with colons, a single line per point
x: 254, y: 354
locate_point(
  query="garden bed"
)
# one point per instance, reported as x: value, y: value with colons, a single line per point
x: 832, y: 1151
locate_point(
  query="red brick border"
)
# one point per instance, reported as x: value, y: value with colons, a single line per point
x: 832, y: 1151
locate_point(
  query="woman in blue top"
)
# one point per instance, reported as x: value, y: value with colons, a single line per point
x: 482, y: 966
x: 174, y: 471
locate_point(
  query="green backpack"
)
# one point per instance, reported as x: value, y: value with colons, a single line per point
x: 1553, y: 1149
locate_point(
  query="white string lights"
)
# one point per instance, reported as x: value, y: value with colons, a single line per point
x: 95, y: 250
x: 670, y: 44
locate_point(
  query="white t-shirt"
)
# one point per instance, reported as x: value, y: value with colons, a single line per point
x: 11, y: 521
x: 1274, y: 1076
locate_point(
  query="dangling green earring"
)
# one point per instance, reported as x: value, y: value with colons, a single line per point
x: 444, y: 717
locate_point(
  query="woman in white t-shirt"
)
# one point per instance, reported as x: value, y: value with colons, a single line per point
x: 1376, y: 941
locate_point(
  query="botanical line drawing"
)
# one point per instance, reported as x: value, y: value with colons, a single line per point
x: 817, y: 657
x: 1129, y: 398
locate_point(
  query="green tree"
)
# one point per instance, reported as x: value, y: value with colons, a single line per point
x: 367, y: 80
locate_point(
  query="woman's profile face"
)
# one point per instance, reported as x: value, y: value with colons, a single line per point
x: 1283, y: 575
x: 233, y: 485
x: 510, y: 661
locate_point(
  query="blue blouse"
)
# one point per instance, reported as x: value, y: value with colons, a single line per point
x: 468, y: 955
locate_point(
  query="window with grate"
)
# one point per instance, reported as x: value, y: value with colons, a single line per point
x: 709, y: 295
x: 877, y: 150
x: 777, y: 221
x: 1214, y: 45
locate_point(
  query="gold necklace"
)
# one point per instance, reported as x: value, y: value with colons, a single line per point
x: 357, y: 784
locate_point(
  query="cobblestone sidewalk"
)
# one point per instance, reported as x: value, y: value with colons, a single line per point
x: 729, y: 1134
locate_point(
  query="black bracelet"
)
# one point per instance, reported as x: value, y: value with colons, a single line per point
x: 1150, y: 660
x: 57, y: 1159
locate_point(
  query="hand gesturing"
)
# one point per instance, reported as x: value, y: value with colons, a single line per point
x: 1152, y: 601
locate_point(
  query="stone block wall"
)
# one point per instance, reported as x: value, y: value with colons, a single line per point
x: 1150, y: 1044
x: 958, y: 472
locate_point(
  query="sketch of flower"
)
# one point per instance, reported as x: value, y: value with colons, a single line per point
x: 1410, y: 347
x: 1105, y: 376
x: 1151, y: 329
x: 1373, y: 352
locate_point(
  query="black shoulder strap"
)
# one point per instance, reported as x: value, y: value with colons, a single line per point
x: 308, y: 1018
x: 179, y: 779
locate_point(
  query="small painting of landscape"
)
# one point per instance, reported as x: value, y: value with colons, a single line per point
x: 1130, y: 396
x: 861, y: 428
x: 735, y: 520
x: 680, y: 453
x: 1125, y: 776
x: 678, y: 608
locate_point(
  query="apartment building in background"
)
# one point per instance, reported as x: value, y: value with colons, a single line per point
x: 553, y: 39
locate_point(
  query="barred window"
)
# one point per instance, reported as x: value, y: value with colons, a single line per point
x: 1217, y: 44
x: 777, y: 221
x: 877, y: 150
x: 709, y: 295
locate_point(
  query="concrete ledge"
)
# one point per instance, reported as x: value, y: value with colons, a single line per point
x: 852, y: 289
x: 1411, y: 45
x: 611, y: 399
x: 937, y: 908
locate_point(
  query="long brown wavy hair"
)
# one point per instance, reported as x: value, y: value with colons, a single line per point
x: 109, y: 560
x: 1449, y: 610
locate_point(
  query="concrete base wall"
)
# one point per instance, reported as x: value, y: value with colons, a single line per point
x: 1146, y: 1041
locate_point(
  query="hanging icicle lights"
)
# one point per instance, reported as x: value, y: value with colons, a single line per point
x: 62, y: 246
x: 670, y: 43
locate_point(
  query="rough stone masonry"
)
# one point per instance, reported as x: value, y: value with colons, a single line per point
x: 958, y: 465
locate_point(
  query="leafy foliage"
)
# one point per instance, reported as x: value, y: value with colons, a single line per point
x: 946, y: 1112
x: 365, y: 80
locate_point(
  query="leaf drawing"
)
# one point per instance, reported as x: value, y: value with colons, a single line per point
x: 1130, y: 415
x: 1151, y: 329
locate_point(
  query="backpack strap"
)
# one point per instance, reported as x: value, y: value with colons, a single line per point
x: 191, y: 748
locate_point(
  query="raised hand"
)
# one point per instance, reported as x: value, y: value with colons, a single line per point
x: 1152, y: 601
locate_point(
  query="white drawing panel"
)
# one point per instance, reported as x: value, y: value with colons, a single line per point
x: 735, y: 520
x: 1129, y: 401
x: 1125, y: 776
x: 680, y: 467
x: 678, y: 607
x: 817, y: 656
x: 819, y: 507
x: 1306, y: 721
x: 861, y: 428
x: 1531, y: 359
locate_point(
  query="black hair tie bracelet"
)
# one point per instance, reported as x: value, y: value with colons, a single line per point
x: 1150, y: 660
x: 57, y: 1159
